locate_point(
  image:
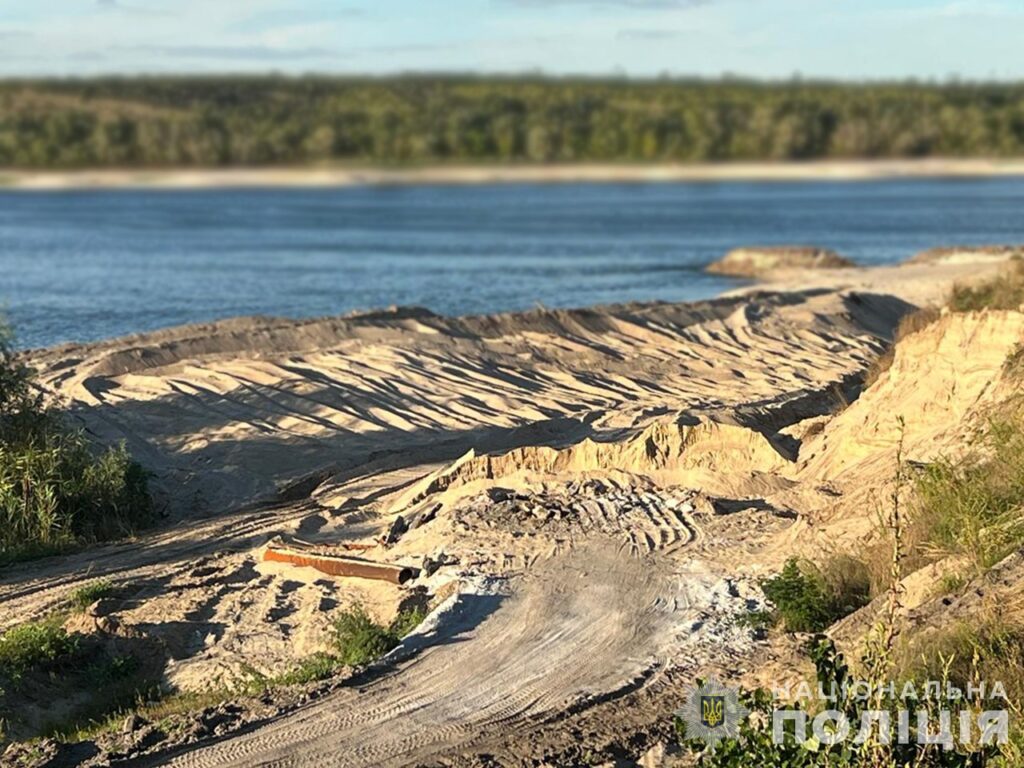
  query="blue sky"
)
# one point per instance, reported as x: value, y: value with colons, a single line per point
x: 762, y: 38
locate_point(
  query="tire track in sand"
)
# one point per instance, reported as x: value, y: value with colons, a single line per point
x: 585, y: 624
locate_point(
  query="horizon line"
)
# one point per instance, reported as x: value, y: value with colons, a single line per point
x: 797, y: 78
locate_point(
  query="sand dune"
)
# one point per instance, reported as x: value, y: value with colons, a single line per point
x: 228, y: 413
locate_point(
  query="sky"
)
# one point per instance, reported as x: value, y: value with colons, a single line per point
x: 838, y: 39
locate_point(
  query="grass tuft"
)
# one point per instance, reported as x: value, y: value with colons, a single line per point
x: 909, y: 324
x: 974, y: 506
x: 1014, y: 365
x: 1003, y: 292
x: 88, y: 594
x: 986, y: 649
x: 319, y: 666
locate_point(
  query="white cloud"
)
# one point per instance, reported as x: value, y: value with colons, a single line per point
x: 961, y: 9
x: 231, y: 52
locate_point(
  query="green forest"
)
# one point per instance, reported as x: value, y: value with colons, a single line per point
x: 223, y: 121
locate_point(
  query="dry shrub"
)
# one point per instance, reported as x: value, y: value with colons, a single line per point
x: 1003, y: 292
x: 984, y: 648
x: 1014, y: 365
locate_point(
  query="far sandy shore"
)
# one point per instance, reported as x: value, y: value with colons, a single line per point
x: 344, y: 177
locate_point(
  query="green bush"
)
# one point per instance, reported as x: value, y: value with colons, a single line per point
x: 360, y: 640
x: 406, y: 621
x: 56, y: 492
x: 808, y: 598
x: 18, y: 399
x: 70, y: 679
x: 110, y: 670
x: 35, y: 645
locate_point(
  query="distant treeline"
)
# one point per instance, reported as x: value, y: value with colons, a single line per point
x: 219, y: 121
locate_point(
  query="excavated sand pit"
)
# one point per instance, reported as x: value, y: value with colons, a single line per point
x: 587, y: 498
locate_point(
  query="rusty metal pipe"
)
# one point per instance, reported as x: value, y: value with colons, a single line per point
x: 337, y: 565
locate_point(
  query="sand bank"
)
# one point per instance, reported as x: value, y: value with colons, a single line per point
x: 184, y: 178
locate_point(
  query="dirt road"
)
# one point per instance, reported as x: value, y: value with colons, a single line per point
x: 577, y: 626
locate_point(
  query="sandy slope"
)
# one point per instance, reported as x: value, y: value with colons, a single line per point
x: 230, y: 412
x: 602, y: 487
x: 960, y: 358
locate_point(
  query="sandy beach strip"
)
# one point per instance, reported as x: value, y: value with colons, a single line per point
x: 207, y: 178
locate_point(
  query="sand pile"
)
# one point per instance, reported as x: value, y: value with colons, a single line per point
x: 673, y: 450
x: 757, y: 261
x: 228, y: 413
